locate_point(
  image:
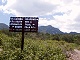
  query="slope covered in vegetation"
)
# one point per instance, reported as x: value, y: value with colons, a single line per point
x: 37, y: 46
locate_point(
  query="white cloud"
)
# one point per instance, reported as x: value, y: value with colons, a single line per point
x: 3, y: 1
x: 67, y: 22
x: 1, y: 7
x: 67, y: 1
x: 45, y: 22
x: 29, y: 7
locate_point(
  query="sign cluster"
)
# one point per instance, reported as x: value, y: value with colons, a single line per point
x: 29, y: 24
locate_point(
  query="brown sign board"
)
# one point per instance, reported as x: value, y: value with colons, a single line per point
x: 23, y: 24
x: 29, y: 24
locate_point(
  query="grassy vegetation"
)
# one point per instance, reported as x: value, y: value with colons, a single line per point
x: 37, y: 46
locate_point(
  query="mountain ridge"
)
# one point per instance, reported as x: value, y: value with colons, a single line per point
x: 49, y: 29
x: 3, y: 26
x: 44, y: 29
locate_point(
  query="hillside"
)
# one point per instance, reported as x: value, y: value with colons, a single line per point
x: 37, y: 46
x: 49, y: 29
x: 3, y: 26
x: 44, y: 29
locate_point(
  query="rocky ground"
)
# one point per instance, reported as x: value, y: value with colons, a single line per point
x: 74, y: 55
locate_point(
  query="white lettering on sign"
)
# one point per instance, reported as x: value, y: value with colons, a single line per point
x: 29, y: 23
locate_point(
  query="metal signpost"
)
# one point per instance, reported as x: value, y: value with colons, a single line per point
x: 23, y: 24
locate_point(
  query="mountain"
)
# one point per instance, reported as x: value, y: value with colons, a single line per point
x: 3, y: 26
x: 49, y: 29
x: 73, y: 33
x: 44, y: 29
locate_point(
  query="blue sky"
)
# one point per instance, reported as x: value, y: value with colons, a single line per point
x: 62, y: 14
x: 4, y: 18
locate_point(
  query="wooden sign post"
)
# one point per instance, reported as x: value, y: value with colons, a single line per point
x: 23, y: 24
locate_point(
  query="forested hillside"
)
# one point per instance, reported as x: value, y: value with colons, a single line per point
x: 37, y: 46
x: 3, y: 26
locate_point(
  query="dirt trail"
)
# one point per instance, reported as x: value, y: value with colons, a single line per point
x: 1, y: 49
x: 75, y: 55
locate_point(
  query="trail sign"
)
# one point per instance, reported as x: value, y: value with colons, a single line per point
x: 30, y: 24
x: 23, y: 24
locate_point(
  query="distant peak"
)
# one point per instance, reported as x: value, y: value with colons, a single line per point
x: 49, y: 25
x: 3, y: 26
